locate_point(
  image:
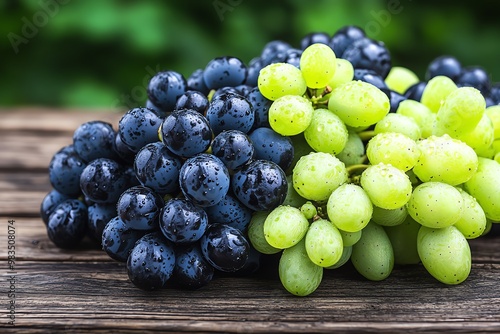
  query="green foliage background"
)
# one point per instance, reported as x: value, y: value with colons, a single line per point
x: 101, y: 53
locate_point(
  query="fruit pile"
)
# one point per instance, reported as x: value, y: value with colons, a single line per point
x: 324, y: 153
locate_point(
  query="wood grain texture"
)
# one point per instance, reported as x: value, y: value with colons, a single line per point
x: 83, y: 290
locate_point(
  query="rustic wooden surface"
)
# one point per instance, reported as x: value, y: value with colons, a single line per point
x: 83, y: 289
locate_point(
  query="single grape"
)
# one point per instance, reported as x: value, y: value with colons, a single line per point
x: 344, y: 258
x: 343, y: 73
x: 445, y: 253
x: 118, y: 239
x: 318, y: 64
x: 387, y: 186
x: 326, y: 132
x: 93, y: 140
x: 308, y: 210
x: 354, y: 150
x: 435, y: 204
x: 157, y: 168
x: 400, y: 79
x: 386, y: 217
x: 393, y: 148
x: 394, y: 122
x: 186, y: 133
x: 290, y: 115
x: 460, y: 112
x: 138, y: 127
x: 165, y: 88
x: 349, y: 208
x: 182, y: 222
x: 484, y: 186
x: 230, y: 211
x: 67, y: 224
x: 481, y: 138
x: 446, y: 160
x: 472, y: 222
x: 151, y: 262
x: 50, y: 202
x: 317, y: 174
x: 139, y: 208
x: 261, y: 185
x: 444, y: 65
x: 256, y: 234
x: 298, y: 274
x: 65, y: 170
x: 230, y: 112
x: 192, y: 99
x: 436, y: 91
x: 280, y: 79
x: 191, y: 270
x: 358, y: 103
x: 403, y: 239
x: 270, y: 145
x: 475, y: 76
x: 204, y: 179
x: 224, y: 71
x: 225, y: 247
x: 323, y: 243
x: 369, y: 54
x: 285, y: 226
x: 234, y: 148
x: 372, y: 255
x: 350, y: 238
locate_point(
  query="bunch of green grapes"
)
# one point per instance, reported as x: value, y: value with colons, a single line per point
x: 375, y: 187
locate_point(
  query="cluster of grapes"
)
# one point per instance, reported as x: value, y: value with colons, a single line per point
x: 326, y: 153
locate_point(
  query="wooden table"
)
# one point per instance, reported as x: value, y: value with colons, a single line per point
x: 59, y: 290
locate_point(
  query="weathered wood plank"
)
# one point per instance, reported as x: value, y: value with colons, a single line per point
x: 343, y: 302
x: 50, y: 120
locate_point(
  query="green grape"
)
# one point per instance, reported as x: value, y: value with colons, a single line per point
x: 298, y: 274
x: 350, y: 238
x: 445, y: 159
x: 400, y: 79
x: 436, y: 90
x: 349, y: 208
x: 290, y: 115
x: 281, y: 79
x: 358, y: 103
x: 399, y: 123
x: 256, y: 234
x: 344, y: 73
x: 285, y: 226
x: 387, y: 186
x: 386, y: 217
x: 493, y: 113
x: 393, y: 148
x: 308, y: 210
x: 318, y: 64
x: 346, y: 256
x: 489, y: 225
x: 461, y: 111
x: 428, y: 127
x: 435, y: 204
x: 323, y: 243
x: 354, y: 150
x: 445, y: 253
x: 300, y: 148
x: 497, y: 157
x: 496, y: 145
x: 481, y: 137
x: 485, y: 185
x: 403, y: 239
x: 372, y: 255
x: 472, y: 223
x: 416, y: 110
x: 292, y: 197
x: 326, y: 132
x: 317, y: 174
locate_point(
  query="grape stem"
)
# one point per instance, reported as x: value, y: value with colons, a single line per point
x: 366, y: 135
x: 356, y: 169
x: 319, y: 97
